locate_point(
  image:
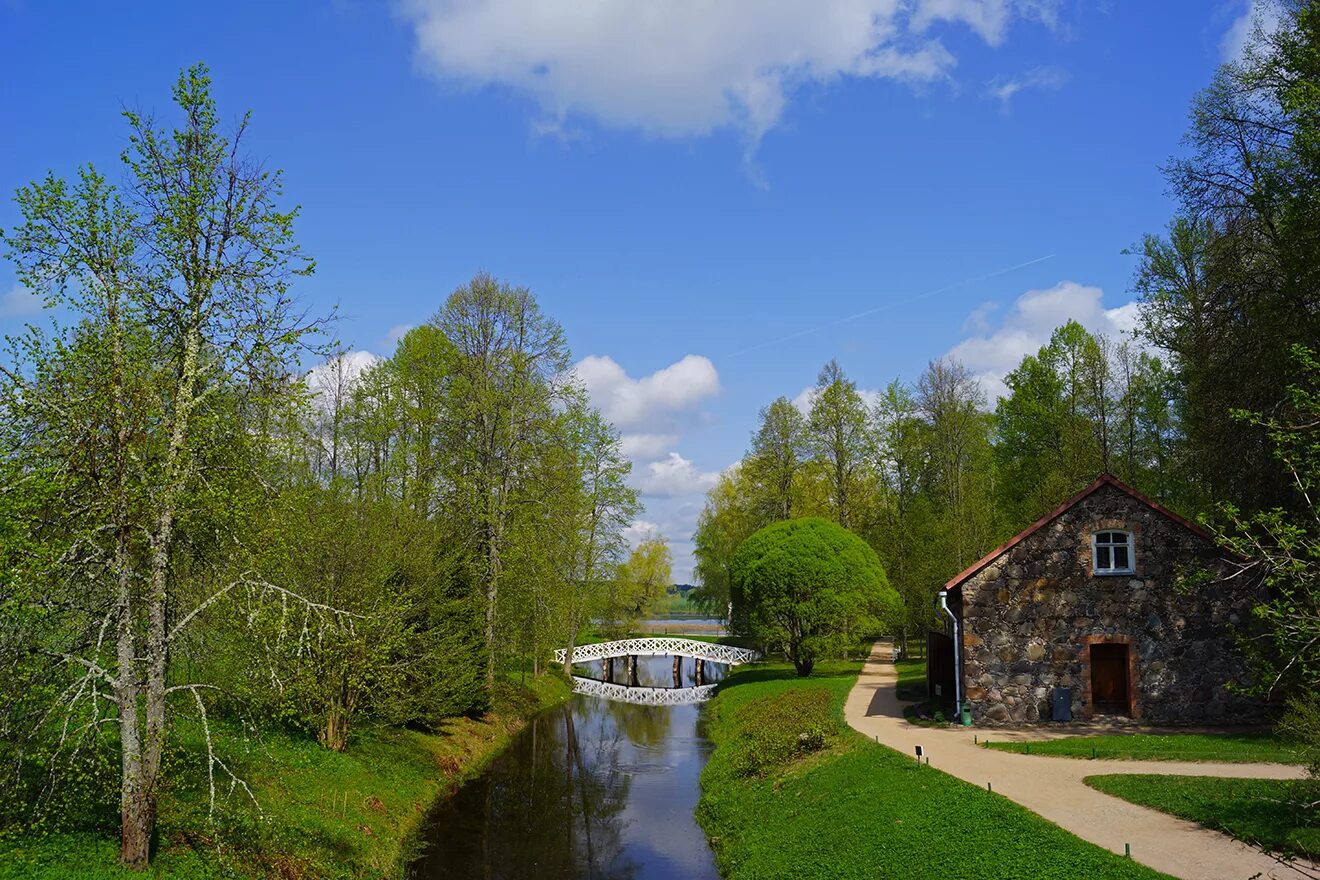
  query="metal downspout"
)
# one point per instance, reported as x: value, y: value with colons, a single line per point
x: 957, y: 651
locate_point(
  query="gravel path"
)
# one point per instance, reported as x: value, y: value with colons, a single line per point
x: 1052, y: 787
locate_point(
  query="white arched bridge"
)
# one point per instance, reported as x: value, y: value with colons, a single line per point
x: 643, y: 696
x: 659, y: 646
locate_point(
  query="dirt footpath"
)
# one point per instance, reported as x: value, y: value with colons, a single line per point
x: 1052, y: 787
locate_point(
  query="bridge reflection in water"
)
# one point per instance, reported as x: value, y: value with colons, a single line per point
x: 633, y: 690
x: 642, y: 696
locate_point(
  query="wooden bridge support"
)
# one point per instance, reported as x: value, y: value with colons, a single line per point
x: 678, y: 671
x: 632, y: 671
x: 607, y: 669
x: 701, y: 671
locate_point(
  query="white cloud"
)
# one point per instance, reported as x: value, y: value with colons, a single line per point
x: 807, y: 396
x: 397, y: 332
x: 639, y: 530
x: 683, y: 68
x: 647, y: 447
x: 1003, y: 89
x: 1264, y: 13
x: 672, y: 477
x: 992, y: 353
x: 653, y: 411
x: 652, y: 401
x: 19, y: 302
x: 337, y: 376
x: 989, y: 18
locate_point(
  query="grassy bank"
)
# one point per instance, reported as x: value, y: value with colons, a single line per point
x: 1263, y: 812
x: 791, y: 791
x: 1253, y: 747
x: 911, y: 680
x: 322, y: 814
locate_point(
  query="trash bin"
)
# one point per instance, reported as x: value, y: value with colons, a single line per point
x: 967, y: 714
x: 1061, y: 704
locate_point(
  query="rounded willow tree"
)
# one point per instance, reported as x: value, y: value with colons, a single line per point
x: 811, y: 586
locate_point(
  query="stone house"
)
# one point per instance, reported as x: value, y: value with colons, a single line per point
x: 1087, y: 613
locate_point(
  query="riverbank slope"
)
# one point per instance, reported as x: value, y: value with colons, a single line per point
x: 319, y: 814
x: 791, y: 791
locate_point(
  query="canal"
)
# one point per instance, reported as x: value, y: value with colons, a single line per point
x: 594, y: 789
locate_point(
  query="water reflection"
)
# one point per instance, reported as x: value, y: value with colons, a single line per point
x: 594, y: 789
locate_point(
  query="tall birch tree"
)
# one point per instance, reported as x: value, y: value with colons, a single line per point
x: 179, y: 284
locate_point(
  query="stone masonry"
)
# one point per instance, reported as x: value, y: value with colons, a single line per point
x: 1031, y: 614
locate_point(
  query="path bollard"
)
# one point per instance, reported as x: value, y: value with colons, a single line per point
x: 1127, y: 850
x: 989, y: 788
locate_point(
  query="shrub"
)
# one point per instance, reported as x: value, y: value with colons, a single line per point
x: 810, y: 586
x: 776, y: 730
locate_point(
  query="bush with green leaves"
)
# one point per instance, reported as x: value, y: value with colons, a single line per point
x: 775, y: 730
x: 810, y: 586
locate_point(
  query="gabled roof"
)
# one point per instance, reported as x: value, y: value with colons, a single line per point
x: 1103, y: 480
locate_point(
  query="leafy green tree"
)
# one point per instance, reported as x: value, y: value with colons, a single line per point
x: 840, y: 440
x: 594, y: 516
x: 1235, y: 281
x: 959, y: 467
x: 180, y: 286
x: 810, y: 586
x: 725, y: 522
x: 1281, y: 547
x: 906, y: 524
x: 638, y: 582
x: 508, y: 373
x: 777, y: 458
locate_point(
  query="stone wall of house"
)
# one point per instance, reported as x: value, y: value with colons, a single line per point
x: 1031, y: 615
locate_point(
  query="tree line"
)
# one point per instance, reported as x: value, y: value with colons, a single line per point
x: 1210, y: 406
x: 193, y: 529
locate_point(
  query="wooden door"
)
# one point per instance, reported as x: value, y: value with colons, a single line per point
x: 1109, y: 679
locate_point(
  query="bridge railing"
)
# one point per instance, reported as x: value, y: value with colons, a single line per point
x: 659, y: 646
x: 643, y: 696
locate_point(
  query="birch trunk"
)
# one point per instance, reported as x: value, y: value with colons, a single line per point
x: 142, y: 777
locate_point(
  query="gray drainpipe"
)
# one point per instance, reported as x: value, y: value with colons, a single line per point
x: 957, y: 651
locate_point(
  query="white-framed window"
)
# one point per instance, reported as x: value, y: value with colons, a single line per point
x: 1111, y: 553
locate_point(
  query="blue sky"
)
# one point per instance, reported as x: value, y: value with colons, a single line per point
x: 686, y: 185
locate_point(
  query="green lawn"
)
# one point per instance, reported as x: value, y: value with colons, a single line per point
x: 1255, y: 810
x: 323, y: 814
x: 1225, y: 747
x: 778, y: 801
x: 911, y: 680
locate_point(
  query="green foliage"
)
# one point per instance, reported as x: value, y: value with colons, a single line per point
x: 1233, y: 285
x: 1221, y: 747
x: 1277, y: 814
x: 1281, y: 546
x: 840, y: 438
x: 637, y: 585
x: 911, y: 685
x: 810, y: 586
x: 324, y: 814
x: 1301, y: 721
x: 193, y: 531
x: 855, y: 807
x: 777, y: 459
x: 1080, y: 407
x: 773, y: 731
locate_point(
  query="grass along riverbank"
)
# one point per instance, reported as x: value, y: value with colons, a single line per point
x: 1236, y: 748
x: 791, y: 792
x: 1270, y: 813
x: 339, y: 816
